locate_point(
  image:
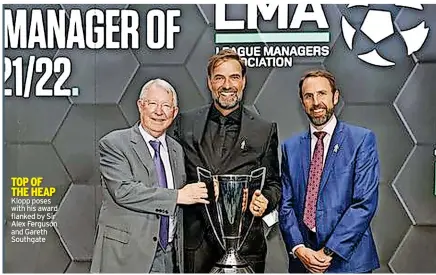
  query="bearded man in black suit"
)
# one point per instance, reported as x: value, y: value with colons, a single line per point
x: 227, y: 138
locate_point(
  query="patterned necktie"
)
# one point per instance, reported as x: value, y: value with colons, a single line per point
x: 315, y: 173
x: 164, y: 220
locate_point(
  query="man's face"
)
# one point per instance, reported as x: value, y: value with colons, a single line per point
x: 157, y: 110
x: 227, y: 84
x: 319, y: 100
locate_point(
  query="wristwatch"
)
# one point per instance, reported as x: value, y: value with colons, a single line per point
x: 327, y: 251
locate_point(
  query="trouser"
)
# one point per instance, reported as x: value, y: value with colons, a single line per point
x: 164, y: 260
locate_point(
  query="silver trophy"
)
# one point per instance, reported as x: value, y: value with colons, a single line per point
x: 230, y: 197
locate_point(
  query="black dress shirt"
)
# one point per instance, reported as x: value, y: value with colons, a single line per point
x: 221, y: 133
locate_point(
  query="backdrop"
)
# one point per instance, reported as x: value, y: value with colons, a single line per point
x: 56, y: 137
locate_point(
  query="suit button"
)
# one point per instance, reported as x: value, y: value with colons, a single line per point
x: 154, y: 239
x: 157, y: 216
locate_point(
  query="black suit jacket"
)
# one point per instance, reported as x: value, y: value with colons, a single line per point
x: 260, y: 150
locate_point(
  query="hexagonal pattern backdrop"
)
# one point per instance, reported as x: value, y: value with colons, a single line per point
x: 56, y: 138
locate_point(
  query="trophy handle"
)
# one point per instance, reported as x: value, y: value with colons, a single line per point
x: 203, y: 173
x: 260, y: 172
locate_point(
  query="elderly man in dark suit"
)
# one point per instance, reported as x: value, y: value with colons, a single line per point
x: 140, y: 228
x: 227, y: 138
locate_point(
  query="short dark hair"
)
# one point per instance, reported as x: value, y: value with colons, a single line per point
x: 224, y: 55
x: 318, y: 73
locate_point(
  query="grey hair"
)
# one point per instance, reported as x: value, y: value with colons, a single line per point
x: 159, y: 83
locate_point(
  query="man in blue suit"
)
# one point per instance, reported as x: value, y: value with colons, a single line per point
x: 330, y: 178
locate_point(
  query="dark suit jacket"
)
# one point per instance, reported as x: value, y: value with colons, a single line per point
x: 260, y: 150
x: 128, y: 226
x: 347, y: 198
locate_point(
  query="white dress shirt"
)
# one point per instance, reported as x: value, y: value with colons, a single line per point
x: 329, y: 129
x: 168, y: 171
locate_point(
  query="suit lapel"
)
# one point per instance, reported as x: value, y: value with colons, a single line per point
x: 336, y: 141
x: 141, y: 149
x: 199, y: 128
x: 305, y: 156
x: 174, y: 167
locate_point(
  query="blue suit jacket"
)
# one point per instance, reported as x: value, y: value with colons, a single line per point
x: 347, y: 199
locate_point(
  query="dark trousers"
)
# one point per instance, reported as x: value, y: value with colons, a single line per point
x: 312, y: 241
x: 203, y: 259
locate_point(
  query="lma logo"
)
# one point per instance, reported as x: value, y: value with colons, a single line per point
x: 377, y: 26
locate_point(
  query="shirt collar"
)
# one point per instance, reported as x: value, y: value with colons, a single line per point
x: 147, y: 137
x: 328, y: 128
x: 234, y: 116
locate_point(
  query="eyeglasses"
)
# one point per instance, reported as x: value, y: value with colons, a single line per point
x: 153, y: 105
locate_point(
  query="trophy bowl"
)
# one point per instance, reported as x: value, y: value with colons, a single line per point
x: 229, y: 197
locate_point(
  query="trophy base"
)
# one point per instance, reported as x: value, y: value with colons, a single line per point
x: 233, y: 269
x: 231, y: 262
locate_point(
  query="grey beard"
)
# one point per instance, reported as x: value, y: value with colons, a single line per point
x: 322, y: 120
x: 227, y: 107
